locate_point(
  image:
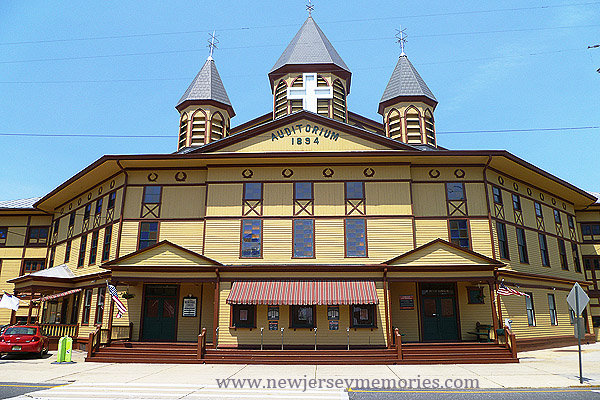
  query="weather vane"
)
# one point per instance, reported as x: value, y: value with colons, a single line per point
x: 401, y: 38
x: 212, y: 44
x: 310, y: 8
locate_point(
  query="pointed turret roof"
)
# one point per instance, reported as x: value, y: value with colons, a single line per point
x: 311, y: 47
x: 405, y: 82
x: 207, y: 85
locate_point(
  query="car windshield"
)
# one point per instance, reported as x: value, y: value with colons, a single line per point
x: 19, y: 330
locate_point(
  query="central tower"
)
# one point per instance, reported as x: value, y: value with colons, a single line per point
x: 310, y: 75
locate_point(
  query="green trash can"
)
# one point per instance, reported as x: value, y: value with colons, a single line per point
x: 65, y: 345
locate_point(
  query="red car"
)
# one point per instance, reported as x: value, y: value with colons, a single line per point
x: 24, y: 339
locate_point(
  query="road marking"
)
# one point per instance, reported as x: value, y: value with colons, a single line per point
x: 478, y: 391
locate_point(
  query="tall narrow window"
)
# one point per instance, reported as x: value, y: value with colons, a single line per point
x: 148, y: 234
x: 575, y: 253
x: 51, y: 258
x: 498, y: 202
x: 455, y: 191
x: 67, y: 252
x: 544, y: 250
x: 253, y: 199
x: 183, y: 128
x: 75, y: 308
x: 72, y: 219
x: 497, y: 194
x: 111, y: 200
x: 87, y: 306
x: 456, y: 199
x: 516, y: 202
x: 459, y: 232
x: 355, y: 198
x: 557, y: 217
x: 151, y: 202
x: 81, y: 259
x: 281, y: 100
x: 3, y: 235
x: 356, y: 237
x: 251, y: 246
x: 552, y: 308
x: 502, y: 240
x: 522, y: 244
x: 98, y: 210
x: 530, y: 310
x: 100, y: 304
x: 93, y: 248
x: 304, y: 238
x: 538, y: 210
x: 303, y: 198
x: 87, y: 211
x: 198, y: 128
x: 38, y: 236
x: 106, y: 245
x: 413, y: 126
x: 562, y: 251
x: 339, y: 101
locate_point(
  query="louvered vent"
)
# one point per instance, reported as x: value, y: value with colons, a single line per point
x: 198, y: 129
x: 413, y: 127
x: 394, y: 126
x: 183, y: 124
x: 281, y: 100
x: 339, y: 101
x: 216, y: 127
x: 429, y: 128
x: 322, y: 104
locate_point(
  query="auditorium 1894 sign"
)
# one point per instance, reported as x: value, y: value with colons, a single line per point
x: 304, y: 134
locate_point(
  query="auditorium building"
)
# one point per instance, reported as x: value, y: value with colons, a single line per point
x: 307, y: 234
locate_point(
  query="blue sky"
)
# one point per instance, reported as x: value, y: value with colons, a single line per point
x: 492, y: 66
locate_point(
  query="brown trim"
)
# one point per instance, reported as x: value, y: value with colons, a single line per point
x: 91, y: 189
x: 525, y: 275
x: 440, y: 279
x: 160, y: 243
x: 182, y: 106
x: 410, y: 99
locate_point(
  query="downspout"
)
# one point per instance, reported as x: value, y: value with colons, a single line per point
x: 122, y: 208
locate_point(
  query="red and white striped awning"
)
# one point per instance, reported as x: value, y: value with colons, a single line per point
x: 55, y: 296
x: 302, y: 292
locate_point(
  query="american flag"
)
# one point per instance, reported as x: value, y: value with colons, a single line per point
x: 503, y: 290
x: 121, y: 309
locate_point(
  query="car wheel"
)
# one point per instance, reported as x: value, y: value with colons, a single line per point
x: 42, y: 352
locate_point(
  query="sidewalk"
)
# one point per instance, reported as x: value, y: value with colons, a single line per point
x: 537, y: 369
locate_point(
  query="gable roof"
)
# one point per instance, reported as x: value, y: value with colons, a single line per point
x: 181, y: 256
x: 310, y: 46
x: 440, y: 252
x: 19, y: 203
x: 207, y: 85
x: 60, y: 271
x: 405, y: 82
x: 303, y: 114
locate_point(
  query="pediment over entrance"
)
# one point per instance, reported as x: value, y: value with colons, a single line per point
x: 303, y: 131
x: 164, y: 254
x: 442, y: 253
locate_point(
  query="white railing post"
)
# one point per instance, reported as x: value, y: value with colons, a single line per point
x: 315, y: 329
x: 348, y: 334
x: 261, y: 337
x: 281, y: 338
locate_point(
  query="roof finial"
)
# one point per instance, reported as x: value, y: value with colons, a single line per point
x: 212, y: 44
x: 401, y: 38
x: 310, y: 8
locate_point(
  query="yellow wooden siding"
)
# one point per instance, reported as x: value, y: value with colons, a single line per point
x: 447, y: 173
x: 588, y: 216
x: 208, y: 308
x: 481, y: 241
x: 224, y: 200
x: 329, y: 198
x: 166, y: 255
x: 187, y: 234
x: 439, y: 254
x: 300, y: 336
x: 407, y: 321
x: 429, y: 199
x: 182, y: 202
x: 166, y: 176
x: 470, y: 314
x: 388, y: 238
x: 133, y: 202
x: 16, y: 236
x: 388, y: 198
x: 129, y: 237
x: 188, y: 328
x: 9, y: 269
x: 222, y: 240
x: 88, y: 268
x: 427, y: 230
x: 476, y: 201
x: 278, y: 199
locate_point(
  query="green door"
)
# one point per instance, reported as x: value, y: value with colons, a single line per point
x: 439, y: 319
x: 160, y: 314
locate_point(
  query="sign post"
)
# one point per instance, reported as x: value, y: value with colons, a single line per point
x: 578, y: 300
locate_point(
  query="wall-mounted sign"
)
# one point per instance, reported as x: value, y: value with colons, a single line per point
x: 273, y: 325
x: 334, y: 325
x: 190, y: 306
x: 333, y: 313
x: 273, y: 313
x: 311, y: 134
x: 407, y: 303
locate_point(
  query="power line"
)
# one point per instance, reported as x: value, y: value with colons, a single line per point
x: 39, y: 134
x: 245, y: 28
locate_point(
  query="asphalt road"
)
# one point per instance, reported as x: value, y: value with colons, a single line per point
x: 488, y: 394
x: 10, y: 389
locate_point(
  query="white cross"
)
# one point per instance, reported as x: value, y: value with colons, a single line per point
x: 309, y: 92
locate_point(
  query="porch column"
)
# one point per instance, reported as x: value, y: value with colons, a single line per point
x: 386, y: 298
x: 29, y: 311
x: 216, y: 300
x: 494, y: 305
x: 110, y: 318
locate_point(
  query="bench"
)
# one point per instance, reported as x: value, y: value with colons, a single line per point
x: 482, y: 332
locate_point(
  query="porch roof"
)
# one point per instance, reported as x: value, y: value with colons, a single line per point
x: 303, y: 292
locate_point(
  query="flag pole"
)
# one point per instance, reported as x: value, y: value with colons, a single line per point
x: 110, y: 318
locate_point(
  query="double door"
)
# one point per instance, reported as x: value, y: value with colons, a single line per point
x: 160, y: 313
x: 439, y: 313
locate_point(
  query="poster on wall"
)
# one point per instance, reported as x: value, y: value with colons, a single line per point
x: 273, y: 325
x: 407, y: 303
x: 189, y: 306
x: 334, y: 325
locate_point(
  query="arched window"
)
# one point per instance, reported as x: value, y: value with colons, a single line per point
x: 198, y: 128
x: 183, y: 126
x: 322, y: 104
x: 281, y: 100
x: 413, y: 126
x: 393, y: 125
x: 339, y: 101
x: 217, y: 127
x: 296, y: 105
x: 429, y: 127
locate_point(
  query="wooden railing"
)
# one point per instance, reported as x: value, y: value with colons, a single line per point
x: 201, y: 345
x: 511, y: 341
x: 93, y: 343
x: 60, y: 330
x: 398, y: 337
x: 119, y: 332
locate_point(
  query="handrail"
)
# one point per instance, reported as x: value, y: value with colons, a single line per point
x: 201, y: 345
x: 60, y: 330
x: 398, y: 343
x: 512, y: 338
x: 93, y: 342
